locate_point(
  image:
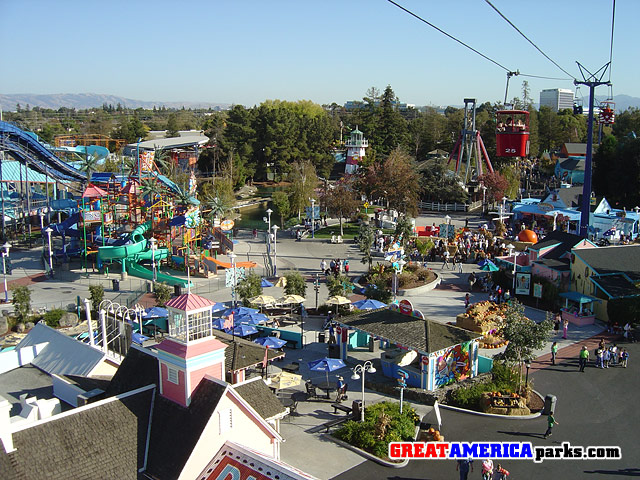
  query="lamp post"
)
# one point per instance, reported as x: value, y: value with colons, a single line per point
x: 504, y: 208
x: 48, y: 231
x: 527, y: 363
x: 358, y: 372
x: 447, y: 220
x: 41, y: 213
x: 313, y: 212
x: 275, y: 250
x: 512, y: 251
x: 232, y: 257
x: 484, y: 194
x: 269, y: 212
x: 5, y: 255
x: 153, y: 242
x: 316, y: 287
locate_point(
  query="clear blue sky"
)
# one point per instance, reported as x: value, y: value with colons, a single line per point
x: 324, y: 50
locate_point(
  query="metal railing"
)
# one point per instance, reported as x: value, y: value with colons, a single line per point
x: 449, y: 207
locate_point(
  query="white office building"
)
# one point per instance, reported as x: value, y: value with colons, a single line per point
x: 557, y: 98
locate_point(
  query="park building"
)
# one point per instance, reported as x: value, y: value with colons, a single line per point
x: 557, y: 98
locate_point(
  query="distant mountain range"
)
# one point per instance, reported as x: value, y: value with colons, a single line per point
x: 82, y: 101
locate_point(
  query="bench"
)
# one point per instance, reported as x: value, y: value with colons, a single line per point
x: 332, y: 423
x: 342, y: 408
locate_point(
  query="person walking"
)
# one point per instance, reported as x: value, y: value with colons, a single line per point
x: 323, y: 266
x: 445, y: 255
x: 606, y: 356
x: 467, y: 300
x: 565, y: 327
x: 624, y: 356
x: 554, y: 352
x: 551, y: 421
x: 463, y: 466
x: 614, y: 354
x: 599, y: 357
x: 487, y: 469
x: 584, y: 358
x: 556, y: 323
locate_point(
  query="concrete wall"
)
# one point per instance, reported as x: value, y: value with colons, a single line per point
x: 65, y: 390
x: 17, y: 358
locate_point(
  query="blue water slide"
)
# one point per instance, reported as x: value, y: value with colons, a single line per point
x: 64, y: 228
x: 25, y: 147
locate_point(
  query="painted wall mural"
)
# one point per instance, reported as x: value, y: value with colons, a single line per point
x: 452, y: 364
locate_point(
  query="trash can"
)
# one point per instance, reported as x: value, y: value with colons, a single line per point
x: 177, y: 290
x: 321, y: 337
x: 356, y: 409
x: 334, y: 351
x: 115, y: 285
x: 549, y: 404
x: 149, y: 287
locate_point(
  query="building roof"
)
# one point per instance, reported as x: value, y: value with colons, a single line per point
x: 169, y: 143
x: 570, y: 196
x: 576, y: 148
x: 241, y: 353
x: 425, y: 336
x: 618, y: 259
x: 616, y: 285
x: 105, y: 439
x: 564, y: 243
x: 63, y: 355
x: 562, y: 265
x: 189, y: 301
x: 26, y: 379
x: 573, y: 163
x: 11, y: 173
x: 259, y: 396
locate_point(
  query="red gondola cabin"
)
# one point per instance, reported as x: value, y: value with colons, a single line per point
x: 512, y: 133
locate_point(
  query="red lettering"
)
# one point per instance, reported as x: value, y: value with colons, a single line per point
x: 394, y: 450
x: 418, y: 450
x: 431, y: 450
x: 442, y: 447
x: 407, y: 450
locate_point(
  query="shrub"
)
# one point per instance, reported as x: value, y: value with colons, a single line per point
x: 406, y: 278
x: 296, y: 284
x: 339, y: 285
x: 52, y: 317
x: 249, y: 287
x: 21, y: 299
x: 505, y: 375
x: 469, y: 397
x: 96, y: 295
x: 162, y: 292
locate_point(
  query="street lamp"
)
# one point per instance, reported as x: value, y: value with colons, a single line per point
x: 527, y: 363
x: 447, y: 219
x: 275, y: 250
x: 269, y: 212
x: 41, y: 213
x: 313, y: 210
x: 359, y: 371
x: 316, y: 287
x: 232, y: 257
x: 48, y: 231
x: 504, y: 207
x: 512, y: 250
x: 153, y: 242
x: 5, y: 256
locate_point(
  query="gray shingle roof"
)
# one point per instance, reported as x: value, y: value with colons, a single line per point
x: 625, y: 259
x: 241, y: 353
x: 259, y: 396
x: 616, y: 285
x: 425, y: 336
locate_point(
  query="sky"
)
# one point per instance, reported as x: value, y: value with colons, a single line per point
x: 248, y: 51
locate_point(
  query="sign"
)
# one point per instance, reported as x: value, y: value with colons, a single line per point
x: 316, y: 211
x: 92, y: 216
x: 145, y: 157
x: 366, y: 205
x: 108, y: 218
x: 227, y: 225
x: 537, y: 290
x: 405, y: 307
x: 545, y: 207
x: 523, y: 283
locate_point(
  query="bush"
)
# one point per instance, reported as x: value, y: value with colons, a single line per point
x: 21, y: 299
x: 162, y: 293
x: 96, y: 295
x: 407, y: 278
x: 469, y: 397
x: 52, y: 317
x: 505, y: 376
x: 339, y: 285
x: 249, y: 287
x: 296, y: 284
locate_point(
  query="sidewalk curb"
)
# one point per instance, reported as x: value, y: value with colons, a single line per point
x: 495, y: 415
x: 366, y: 455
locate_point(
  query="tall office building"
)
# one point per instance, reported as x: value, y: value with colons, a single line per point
x: 557, y: 98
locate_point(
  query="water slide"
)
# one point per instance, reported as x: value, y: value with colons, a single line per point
x: 26, y: 148
x: 228, y: 265
x: 64, y: 228
x: 136, y: 251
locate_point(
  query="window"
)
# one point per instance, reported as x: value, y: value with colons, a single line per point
x: 225, y: 417
x: 172, y: 375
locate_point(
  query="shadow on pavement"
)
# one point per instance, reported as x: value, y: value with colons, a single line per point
x: 523, y: 434
x: 626, y: 472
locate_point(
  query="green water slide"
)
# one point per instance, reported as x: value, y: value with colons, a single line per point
x: 136, y: 251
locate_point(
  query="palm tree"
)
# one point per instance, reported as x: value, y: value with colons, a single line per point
x: 151, y: 187
x: 89, y: 165
x: 218, y: 208
x: 183, y: 197
x: 164, y: 162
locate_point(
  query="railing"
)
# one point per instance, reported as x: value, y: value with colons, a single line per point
x: 449, y: 207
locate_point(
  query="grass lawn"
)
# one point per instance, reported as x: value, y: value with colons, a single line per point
x: 350, y: 230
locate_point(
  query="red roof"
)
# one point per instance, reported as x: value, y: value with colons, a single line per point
x: 189, y: 302
x: 93, y: 192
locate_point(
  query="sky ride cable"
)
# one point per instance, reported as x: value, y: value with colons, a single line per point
x: 527, y: 38
x: 613, y: 21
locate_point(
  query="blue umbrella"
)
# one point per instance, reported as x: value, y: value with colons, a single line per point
x: 218, y: 324
x: 156, y: 312
x: 252, y: 318
x: 265, y: 283
x: 244, y: 330
x: 326, y: 365
x: 218, y: 307
x: 271, y: 342
x: 489, y: 267
x: 483, y: 262
x: 239, y: 311
x: 369, y: 304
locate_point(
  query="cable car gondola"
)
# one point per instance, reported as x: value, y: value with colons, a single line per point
x: 607, y: 112
x: 512, y: 133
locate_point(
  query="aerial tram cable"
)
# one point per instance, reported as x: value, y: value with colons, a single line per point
x: 527, y: 39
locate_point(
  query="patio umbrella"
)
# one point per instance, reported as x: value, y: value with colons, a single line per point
x: 326, y: 365
x: 218, y: 324
x: 218, y: 307
x: 282, y: 282
x: 265, y: 283
x: 156, y: 312
x: 263, y: 300
x: 338, y: 300
x: 239, y: 311
x: 292, y: 299
x: 285, y: 380
x: 483, y: 262
x: 369, y: 304
x: 251, y: 319
x: 489, y: 267
x: 244, y: 330
x: 271, y: 342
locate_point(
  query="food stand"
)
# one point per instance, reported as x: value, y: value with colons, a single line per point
x: 574, y: 309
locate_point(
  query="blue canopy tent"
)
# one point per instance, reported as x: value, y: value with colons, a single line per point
x: 239, y: 311
x: 369, y: 304
x: 251, y: 319
x: 271, y: 342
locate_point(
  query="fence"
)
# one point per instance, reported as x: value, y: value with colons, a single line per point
x: 449, y: 207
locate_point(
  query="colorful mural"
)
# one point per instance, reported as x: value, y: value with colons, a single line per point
x: 452, y: 364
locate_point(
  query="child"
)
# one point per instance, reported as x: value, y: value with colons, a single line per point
x: 614, y: 354
x: 606, y: 356
x: 502, y: 473
x: 487, y: 469
x: 554, y: 351
x: 624, y: 356
x: 467, y: 300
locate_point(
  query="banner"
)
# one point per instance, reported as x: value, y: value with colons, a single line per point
x: 523, y: 283
x: 146, y: 160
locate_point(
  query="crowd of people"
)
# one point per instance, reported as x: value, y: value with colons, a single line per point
x: 335, y: 267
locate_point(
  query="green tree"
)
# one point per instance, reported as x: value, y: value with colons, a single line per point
x: 339, y: 285
x: 341, y: 200
x: 21, y: 300
x: 303, y: 180
x: 424, y: 246
x: 366, y: 237
x: 89, y: 165
x: 399, y: 183
x: 162, y: 292
x: 96, y: 295
x: 281, y: 205
x: 439, y: 184
x: 249, y: 287
x: 296, y: 284
x: 172, y: 126
x: 496, y: 185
